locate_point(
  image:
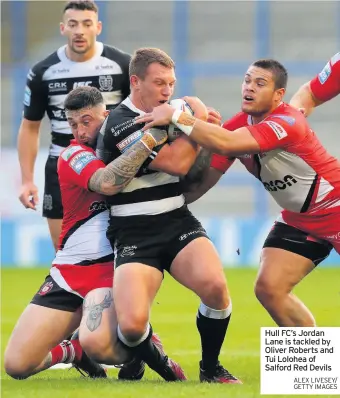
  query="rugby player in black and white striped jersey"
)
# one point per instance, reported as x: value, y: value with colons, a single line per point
x: 83, y: 61
x: 151, y: 228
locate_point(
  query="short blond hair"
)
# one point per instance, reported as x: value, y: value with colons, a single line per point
x: 143, y: 57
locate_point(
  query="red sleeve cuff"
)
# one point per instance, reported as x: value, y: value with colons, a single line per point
x: 221, y: 163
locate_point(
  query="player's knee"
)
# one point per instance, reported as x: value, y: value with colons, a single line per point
x: 94, y: 346
x: 133, y: 328
x: 16, y: 368
x: 266, y: 291
x: 215, y: 294
x: 100, y: 347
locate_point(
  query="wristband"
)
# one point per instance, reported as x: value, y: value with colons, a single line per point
x: 187, y: 129
x: 148, y: 141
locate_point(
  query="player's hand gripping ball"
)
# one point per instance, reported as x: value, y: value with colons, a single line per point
x: 173, y: 131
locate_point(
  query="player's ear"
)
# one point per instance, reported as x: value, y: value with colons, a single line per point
x: 279, y: 93
x: 134, y: 81
x: 62, y: 28
x: 99, y: 27
x: 106, y: 113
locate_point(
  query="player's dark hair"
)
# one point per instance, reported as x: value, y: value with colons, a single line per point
x: 143, y: 57
x: 81, y: 5
x: 83, y: 97
x: 278, y: 70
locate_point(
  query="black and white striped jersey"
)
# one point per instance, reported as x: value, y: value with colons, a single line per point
x: 51, y: 79
x: 150, y: 192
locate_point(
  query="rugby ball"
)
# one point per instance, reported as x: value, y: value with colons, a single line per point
x: 173, y: 131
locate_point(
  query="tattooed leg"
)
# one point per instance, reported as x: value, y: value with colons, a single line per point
x: 98, y: 329
x: 93, y: 311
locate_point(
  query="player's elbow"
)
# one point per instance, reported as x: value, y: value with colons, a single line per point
x: 109, y: 189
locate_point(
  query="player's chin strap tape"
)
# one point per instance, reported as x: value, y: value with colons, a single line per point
x: 186, y: 129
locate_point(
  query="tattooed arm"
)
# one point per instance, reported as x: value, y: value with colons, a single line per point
x: 116, y: 175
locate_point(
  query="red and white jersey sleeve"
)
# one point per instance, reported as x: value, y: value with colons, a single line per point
x: 326, y: 85
x: 77, y: 164
x: 277, y: 131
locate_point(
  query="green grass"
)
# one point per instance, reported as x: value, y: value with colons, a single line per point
x: 173, y: 317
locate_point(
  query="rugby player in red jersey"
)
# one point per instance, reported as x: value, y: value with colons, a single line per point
x: 78, y: 289
x: 275, y: 143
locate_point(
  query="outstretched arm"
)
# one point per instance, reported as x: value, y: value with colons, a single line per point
x: 212, y: 137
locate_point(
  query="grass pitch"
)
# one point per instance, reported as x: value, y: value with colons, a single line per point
x: 173, y: 317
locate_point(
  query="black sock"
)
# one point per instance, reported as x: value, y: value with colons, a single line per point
x: 150, y: 354
x: 212, y: 333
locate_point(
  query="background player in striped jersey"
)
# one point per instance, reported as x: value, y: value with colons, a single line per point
x: 82, y: 61
x: 82, y: 270
x: 322, y: 88
x: 275, y: 143
x: 152, y: 229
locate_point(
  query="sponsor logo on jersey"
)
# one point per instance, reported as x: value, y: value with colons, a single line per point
x: 105, y: 83
x: 104, y: 67
x: 47, y: 287
x: 57, y: 86
x: 27, y: 96
x: 98, y: 206
x: 273, y: 186
x: 130, y: 140
x: 289, y: 119
x: 68, y: 152
x: 279, y: 131
x: 117, y: 130
x: 81, y: 160
x: 81, y: 84
x: 325, y: 73
x: 65, y: 70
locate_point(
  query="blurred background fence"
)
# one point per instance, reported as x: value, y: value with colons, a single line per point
x: 212, y: 42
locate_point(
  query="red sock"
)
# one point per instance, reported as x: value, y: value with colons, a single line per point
x: 66, y: 352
